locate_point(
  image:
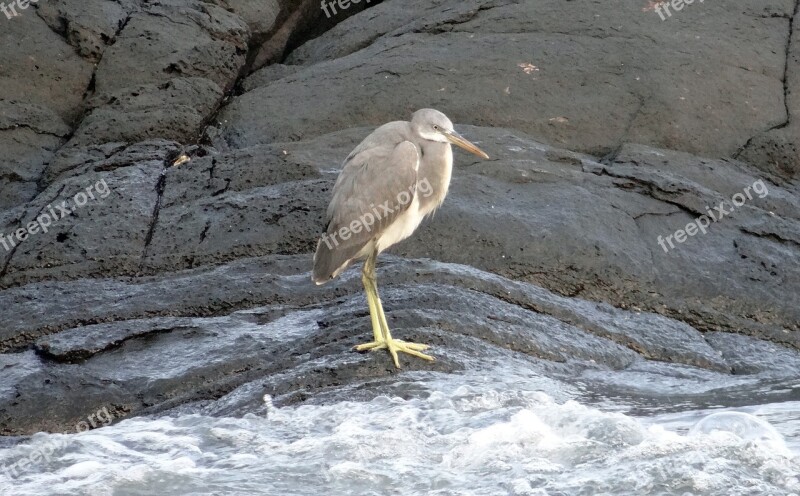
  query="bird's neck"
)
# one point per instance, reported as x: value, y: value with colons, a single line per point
x: 433, y: 178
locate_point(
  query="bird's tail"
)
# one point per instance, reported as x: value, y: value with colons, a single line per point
x: 329, y: 261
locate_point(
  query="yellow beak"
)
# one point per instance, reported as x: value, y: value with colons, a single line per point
x: 459, y: 141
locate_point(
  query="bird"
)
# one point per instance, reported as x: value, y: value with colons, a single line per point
x: 389, y: 183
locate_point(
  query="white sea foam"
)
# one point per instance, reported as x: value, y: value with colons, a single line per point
x: 497, y: 432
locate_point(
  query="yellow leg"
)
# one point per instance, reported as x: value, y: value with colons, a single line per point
x: 377, y: 330
x: 380, y: 328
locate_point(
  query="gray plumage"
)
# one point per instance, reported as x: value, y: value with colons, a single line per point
x: 372, y: 173
x: 388, y: 184
x: 390, y: 161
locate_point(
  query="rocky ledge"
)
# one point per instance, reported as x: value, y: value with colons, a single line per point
x: 146, y: 283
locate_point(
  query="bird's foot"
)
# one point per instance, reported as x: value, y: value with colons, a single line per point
x: 396, y: 345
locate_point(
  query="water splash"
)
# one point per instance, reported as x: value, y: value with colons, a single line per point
x: 499, y: 431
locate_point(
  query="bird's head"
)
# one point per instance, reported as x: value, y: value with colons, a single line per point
x: 433, y: 125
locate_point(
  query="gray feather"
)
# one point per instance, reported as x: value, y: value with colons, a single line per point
x: 373, y: 177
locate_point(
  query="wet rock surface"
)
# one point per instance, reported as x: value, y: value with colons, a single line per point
x: 185, y: 286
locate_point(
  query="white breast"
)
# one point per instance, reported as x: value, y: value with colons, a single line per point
x: 405, y: 225
x: 402, y: 227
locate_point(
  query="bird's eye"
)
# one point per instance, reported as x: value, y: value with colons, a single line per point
x: 435, y: 127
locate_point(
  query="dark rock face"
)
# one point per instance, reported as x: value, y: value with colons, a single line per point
x: 177, y: 283
x: 586, y: 77
x: 777, y: 150
x: 32, y: 135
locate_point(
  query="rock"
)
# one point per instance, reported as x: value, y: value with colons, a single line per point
x: 107, y: 233
x: 165, y: 74
x: 165, y: 169
x: 297, y: 22
x: 777, y: 150
x: 259, y: 15
x: 463, y: 312
x: 176, y: 110
x: 90, y: 25
x: 42, y: 82
x: 747, y: 355
x: 520, y: 65
x: 40, y: 68
x: 774, y: 151
x: 174, y: 39
x: 30, y: 135
x: 81, y: 343
x: 267, y: 75
x: 270, y: 200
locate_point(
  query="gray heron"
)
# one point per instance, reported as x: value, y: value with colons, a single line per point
x: 388, y: 184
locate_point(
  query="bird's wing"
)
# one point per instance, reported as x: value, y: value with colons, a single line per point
x: 375, y: 186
